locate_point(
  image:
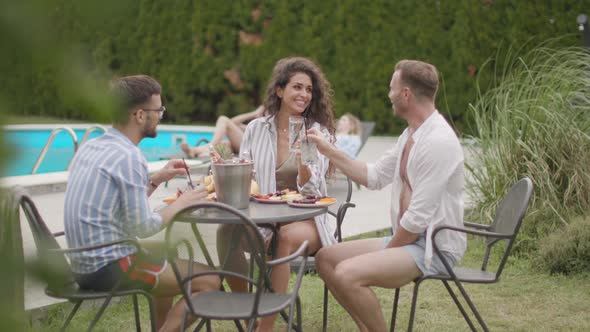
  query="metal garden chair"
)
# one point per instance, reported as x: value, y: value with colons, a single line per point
x: 221, y: 305
x: 504, y: 229
x: 342, y: 191
x: 367, y: 130
x: 55, y: 269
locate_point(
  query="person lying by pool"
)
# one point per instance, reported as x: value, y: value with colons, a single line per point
x: 106, y: 200
x: 348, y: 135
x: 232, y: 128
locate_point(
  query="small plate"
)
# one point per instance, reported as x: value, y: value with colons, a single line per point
x: 314, y: 205
x: 269, y: 201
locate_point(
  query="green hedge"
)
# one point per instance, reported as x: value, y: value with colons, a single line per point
x: 188, y: 45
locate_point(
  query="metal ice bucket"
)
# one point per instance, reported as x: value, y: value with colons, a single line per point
x: 232, y: 183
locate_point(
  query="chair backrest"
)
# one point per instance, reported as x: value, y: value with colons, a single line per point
x: 342, y: 191
x: 367, y: 127
x: 508, y: 218
x: 53, y: 266
x: 256, y: 249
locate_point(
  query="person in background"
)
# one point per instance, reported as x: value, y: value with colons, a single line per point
x: 348, y: 135
x: 425, y: 168
x: 106, y: 200
x: 297, y: 88
x: 232, y: 128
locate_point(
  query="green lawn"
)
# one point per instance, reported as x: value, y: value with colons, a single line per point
x: 524, y: 300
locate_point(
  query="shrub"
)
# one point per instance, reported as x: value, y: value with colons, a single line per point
x: 535, y: 123
x: 568, y: 249
x: 191, y: 46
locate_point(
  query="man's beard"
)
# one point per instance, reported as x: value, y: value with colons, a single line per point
x: 149, y: 132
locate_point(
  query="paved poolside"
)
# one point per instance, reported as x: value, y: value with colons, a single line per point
x: 371, y: 213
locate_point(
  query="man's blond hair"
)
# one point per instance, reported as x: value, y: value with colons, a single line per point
x: 420, y: 77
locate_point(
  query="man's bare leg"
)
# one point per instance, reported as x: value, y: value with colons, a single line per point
x: 162, y: 306
x: 352, y: 278
x: 168, y: 287
x: 329, y: 257
x: 291, y: 237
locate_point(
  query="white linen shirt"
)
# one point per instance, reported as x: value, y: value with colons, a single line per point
x: 260, y: 138
x: 435, y: 173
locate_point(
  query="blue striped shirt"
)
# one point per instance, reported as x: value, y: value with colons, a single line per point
x: 107, y: 200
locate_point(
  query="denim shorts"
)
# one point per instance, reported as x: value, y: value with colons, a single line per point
x: 417, y: 249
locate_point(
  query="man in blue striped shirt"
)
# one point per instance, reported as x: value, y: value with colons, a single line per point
x: 107, y: 200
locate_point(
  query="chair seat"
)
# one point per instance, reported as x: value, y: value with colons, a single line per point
x: 222, y: 305
x: 474, y: 275
x: 469, y: 275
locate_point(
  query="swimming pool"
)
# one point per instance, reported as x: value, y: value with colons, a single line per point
x: 27, y: 143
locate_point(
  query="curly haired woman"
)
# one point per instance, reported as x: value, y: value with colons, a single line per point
x: 297, y: 88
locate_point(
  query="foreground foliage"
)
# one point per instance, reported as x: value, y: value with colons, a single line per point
x: 535, y: 123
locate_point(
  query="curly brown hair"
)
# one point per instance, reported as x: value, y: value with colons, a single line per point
x: 320, y: 108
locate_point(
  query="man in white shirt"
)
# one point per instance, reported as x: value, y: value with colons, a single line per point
x: 425, y: 168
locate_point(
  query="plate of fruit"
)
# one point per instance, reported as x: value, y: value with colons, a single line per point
x: 279, y: 197
x: 312, y: 202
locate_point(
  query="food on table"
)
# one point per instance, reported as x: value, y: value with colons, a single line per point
x: 283, y: 195
x: 312, y: 199
x: 327, y: 200
x: 291, y: 196
x: 210, y: 184
x: 305, y: 201
x: 171, y: 200
x: 254, y: 190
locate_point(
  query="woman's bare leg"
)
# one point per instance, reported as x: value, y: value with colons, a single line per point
x: 232, y: 259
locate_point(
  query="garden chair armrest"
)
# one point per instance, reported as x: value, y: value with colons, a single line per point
x: 302, y: 251
x: 342, y: 211
x: 99, y: 246
x: 469, y: 231
x: 477, y: 226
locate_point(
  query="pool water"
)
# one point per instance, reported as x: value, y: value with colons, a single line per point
x: 28, y: 144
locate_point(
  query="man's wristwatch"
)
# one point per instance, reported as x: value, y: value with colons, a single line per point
x: 152, y: 184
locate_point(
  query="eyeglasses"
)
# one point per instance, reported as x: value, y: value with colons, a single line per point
x: 161, y: 110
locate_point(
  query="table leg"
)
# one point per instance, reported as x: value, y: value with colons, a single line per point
x: 202, y: 245
x: 212, y: 265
